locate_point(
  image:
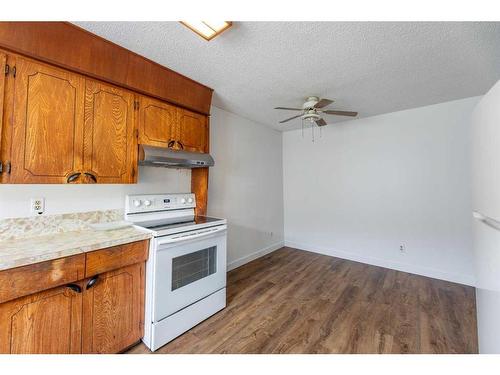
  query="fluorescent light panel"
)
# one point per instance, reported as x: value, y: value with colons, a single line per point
x: 207, y: 29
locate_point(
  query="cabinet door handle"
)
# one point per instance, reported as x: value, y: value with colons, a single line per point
x: 92, y: 176
x: 92, y: 282
x: 181, y: 145
x: 171, y: 143
x: 74, y: 287
x: 72, y: 177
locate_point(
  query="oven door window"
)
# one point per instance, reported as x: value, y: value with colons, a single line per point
x: 192, y: 267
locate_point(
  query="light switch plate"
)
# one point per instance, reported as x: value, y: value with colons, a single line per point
x: 38, y: 205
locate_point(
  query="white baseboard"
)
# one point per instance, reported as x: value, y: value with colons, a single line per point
x: 257, y: 254
x: 398, y: 266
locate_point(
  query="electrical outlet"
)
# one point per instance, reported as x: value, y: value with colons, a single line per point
x: 38, y: 205
x: 402, y: 248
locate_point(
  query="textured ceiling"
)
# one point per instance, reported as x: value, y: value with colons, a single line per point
x: 369, y: 67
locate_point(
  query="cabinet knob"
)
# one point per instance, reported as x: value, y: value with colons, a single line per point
x: 92, y: 282
x: 72, y: 177
x: 92, y: 176
x: 74, y: 287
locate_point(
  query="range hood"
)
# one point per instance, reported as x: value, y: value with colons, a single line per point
x: 167, y: 158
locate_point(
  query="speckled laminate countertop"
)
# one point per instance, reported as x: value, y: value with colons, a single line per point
x: 24, y: 251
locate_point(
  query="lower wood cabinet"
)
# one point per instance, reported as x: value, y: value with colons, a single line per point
x: 102, y: 313
x: 44, y: 322
x: 113, y: 310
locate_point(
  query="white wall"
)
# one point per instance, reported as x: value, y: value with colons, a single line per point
x: 371, y: 184
x: 15, y: 199
x: 486, y: 200
x: 246, y: 185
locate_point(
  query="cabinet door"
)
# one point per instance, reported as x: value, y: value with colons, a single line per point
x: 157, y: 122
x: 193, y: 131
x: 113, y: 310
x: 48, y: 322
x: 48, y: 124
x: 110, y: 144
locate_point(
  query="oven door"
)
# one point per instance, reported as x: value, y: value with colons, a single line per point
x: 188, y: 267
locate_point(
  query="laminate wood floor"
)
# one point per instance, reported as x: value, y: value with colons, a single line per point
x: 294, y: 301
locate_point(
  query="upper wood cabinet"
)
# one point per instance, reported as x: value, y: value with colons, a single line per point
x: 164, y: 125
x: 58, y: 127
x: 68, y: 129
x: 47, y: 125
x: 110, y: 145
x: 157, y: 122
x: 192, y: 131
x: 45, y: 322
x: 113, y: 310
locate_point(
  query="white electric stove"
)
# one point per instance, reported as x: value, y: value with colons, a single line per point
x: 186, y: 269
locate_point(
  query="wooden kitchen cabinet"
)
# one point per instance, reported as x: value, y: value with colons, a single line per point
x: 68, y: 129
x: 44, y: 322
x: 47, y: 134
x: 157, y: 122
x: 90, y: 303
x: 110, y: 144
x: 101, y: 314
x: 192, y: 133
x: 113, y: 310
x: 164, y: 125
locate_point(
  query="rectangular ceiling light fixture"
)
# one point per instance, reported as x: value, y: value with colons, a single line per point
x: 207, y: 29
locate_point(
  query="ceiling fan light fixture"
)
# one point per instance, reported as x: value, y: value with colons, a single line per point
x: 311, y: 116
x: 207, y: 29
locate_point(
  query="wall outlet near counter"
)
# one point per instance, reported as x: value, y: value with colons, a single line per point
x: 37, y: 205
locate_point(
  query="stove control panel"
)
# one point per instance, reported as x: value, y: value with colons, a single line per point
x: 159, y: 202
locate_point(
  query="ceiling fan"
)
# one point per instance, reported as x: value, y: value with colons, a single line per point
x: 312, y: 110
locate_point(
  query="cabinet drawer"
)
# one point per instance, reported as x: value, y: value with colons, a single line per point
x: 21, y: 281
x: 115, y: 257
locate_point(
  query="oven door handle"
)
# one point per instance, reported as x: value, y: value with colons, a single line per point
x: 187, y: 237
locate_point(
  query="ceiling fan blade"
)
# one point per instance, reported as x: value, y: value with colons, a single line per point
x: 340, y: 113
x: 320, y: 122
x: 289, y: 109
x: 323, y: 103
x: 291, y: 118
